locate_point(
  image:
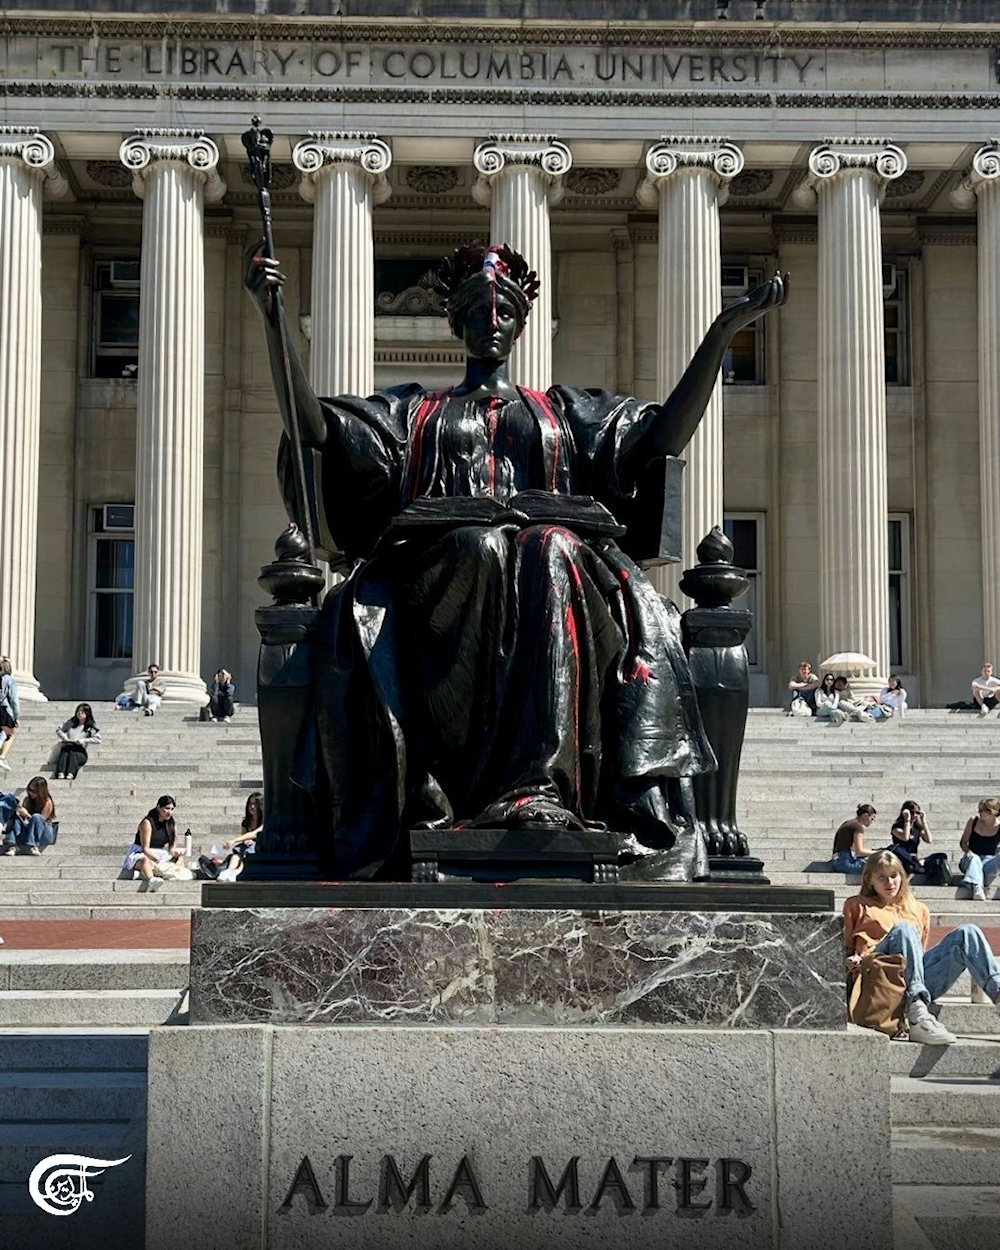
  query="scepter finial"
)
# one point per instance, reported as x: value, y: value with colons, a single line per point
x: 257, y: 141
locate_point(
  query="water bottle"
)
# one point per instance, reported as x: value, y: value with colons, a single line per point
x: 187, y: 843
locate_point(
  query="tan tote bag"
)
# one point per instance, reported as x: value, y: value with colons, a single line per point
x: 878, y: 994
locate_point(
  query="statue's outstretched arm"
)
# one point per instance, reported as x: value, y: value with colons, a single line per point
x: 672, y: 427
x: 261, y: 277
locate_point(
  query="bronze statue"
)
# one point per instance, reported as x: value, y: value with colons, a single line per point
x: 495, y: 659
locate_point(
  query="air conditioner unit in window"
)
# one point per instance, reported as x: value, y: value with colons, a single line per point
x: 735, y: 279
x: 125, y: 274
x: 888, y: 280
x: 119, y: 516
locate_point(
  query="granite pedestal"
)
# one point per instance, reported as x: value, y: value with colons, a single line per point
x: 566, y: 1068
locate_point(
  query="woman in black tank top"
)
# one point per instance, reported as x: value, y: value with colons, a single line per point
x: 981, y: 849
x: 154, y: 841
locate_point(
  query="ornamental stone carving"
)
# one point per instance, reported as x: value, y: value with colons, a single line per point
x: 592, y: 180
x: 878, y: 157
x: 751, y: 182
x: 26, y: 144
x: 501, y: 151
x: 323, y: 149
x: 110, y: 174
x: 432, y: 179
x: 718, y: 157
x: 283, y: 176
x: 905, y: 185
x: 144, y: 149
x: 985, y: 169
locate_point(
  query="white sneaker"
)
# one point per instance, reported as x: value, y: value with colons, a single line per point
x: 984, y: 711
x: 924, y: 1029
x: 11, y: 850
x: 34, y: 851
x: 978, y: 894
x: 4, y: 765
x: 154, y: 884
x: 227, y: 874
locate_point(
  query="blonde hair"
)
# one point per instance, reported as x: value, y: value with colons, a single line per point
x: 990, y: 805
x: 5, y: 666
x: 882, y: 860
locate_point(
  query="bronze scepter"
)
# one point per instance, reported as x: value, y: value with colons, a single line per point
x: 257, y: 141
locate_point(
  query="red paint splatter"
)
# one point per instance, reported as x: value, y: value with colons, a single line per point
x: 427, y: 407
x: 542, y: 402
x: 640, y: 672
x: 492, y: 418
x: 525, y: 798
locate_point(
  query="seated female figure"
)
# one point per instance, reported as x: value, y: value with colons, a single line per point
x: 499, y: 659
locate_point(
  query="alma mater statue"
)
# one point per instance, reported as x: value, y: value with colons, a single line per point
x: 495, y: 658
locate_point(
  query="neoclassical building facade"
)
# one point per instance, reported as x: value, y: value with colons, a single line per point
x: 650, y: 170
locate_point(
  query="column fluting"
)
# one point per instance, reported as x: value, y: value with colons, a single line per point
x: 519, y: 177
x: 980, y: 188
x: 343, y: 174
x: 848, y: 178
x: 173, y: 172
x: 27, y: 172
x: 687, y: 180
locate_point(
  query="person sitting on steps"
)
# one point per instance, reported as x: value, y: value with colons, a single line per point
x: 31, y: 824
x: 802, y: 686
x: 986, y: 690
x: 827, y: 701
x: 849, y: 851
x: 155, y: 841
x: 239, y: 848
x: 852, y: 708
x: 221, y: 696
x: 9, y: 710
x: 73, y: 737
x: 909, y: 829
x: 886, y: 919
x: 149, y: 691
x: 980, y: 846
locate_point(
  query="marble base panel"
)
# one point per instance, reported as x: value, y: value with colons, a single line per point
x: 436, y: 1138
x: 517, y: 967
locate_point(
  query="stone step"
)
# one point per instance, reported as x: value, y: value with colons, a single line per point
x: 967, y: 1019
x: 952, y: 1217
x: 77, y: 1008
x: 968, y: 1057
x: 936, y: 1154
x: 956, y: 1100
x: 65, y: 1096
x: 120, y: 1050
x: 159, y: 969
x: 115, y: 912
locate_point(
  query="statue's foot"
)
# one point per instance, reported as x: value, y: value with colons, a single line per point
x: 515, y: 810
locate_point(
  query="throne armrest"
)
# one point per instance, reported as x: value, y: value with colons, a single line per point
x: 654, y: 516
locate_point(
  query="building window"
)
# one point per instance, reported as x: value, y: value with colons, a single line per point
x: 112, y: 581
x: 899, y: 593
x: 743, y: 363
x: 115, y: 336
x: 897, y: 365
x: 745, y: 530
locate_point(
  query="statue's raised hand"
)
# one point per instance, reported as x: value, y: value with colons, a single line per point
x: 761, y: 299
x: 262, y: 277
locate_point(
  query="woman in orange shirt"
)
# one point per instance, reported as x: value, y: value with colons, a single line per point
x: 886, y: 919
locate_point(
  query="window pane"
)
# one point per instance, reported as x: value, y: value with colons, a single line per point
x: 891, y: 357
x: 114, y: 627
x: 740, y: 361
x: 115, y: 564
x: 896, y: 545
x: 892, y: 315
x: 743, y: 535
x: 895, y: 620
x: 119, y: 320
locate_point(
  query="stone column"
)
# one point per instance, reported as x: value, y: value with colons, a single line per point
x: 27, y: 173
x: 980, y: 189
x: 174, y: 172
x: 847, y: 178
x: 687, y: 179
x: 519, y: 177
x: 343, y: 173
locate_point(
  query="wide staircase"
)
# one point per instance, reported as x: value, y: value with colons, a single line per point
x: 800, y: 779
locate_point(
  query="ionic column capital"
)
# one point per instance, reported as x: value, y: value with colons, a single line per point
x: 878, y: 158
x: 35, y: 150
x: 325, y: 149
x: 984, y: 171
x: 543, y: 153
x: 144, y: 150
x: 717, y: 158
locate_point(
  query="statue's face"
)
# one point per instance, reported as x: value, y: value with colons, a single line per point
x: 485, y: 340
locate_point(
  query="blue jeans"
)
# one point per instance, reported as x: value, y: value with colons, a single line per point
x: 931, y: 974
x: 977, y: 869
x: 35, y: 831
x: 847, y: 861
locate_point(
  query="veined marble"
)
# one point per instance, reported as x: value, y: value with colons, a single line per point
x: 517, y: 967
